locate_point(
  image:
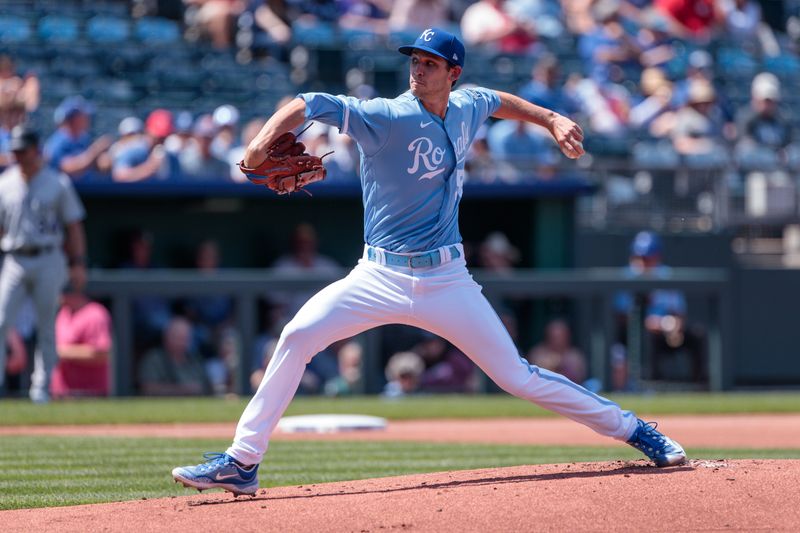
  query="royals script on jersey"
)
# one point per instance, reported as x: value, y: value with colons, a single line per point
x: 412, y: 162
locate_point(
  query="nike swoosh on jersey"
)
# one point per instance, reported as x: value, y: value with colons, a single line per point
x: 424, y: 124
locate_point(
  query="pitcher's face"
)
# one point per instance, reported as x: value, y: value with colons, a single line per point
x: 430, y: 75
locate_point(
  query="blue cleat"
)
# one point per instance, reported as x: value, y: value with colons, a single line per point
x: 662, y: 450
x: 221, y: 471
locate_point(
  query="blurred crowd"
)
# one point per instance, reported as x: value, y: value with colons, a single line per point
x: 660, y: 82
x: 192, y: 346
x: 666, y: 82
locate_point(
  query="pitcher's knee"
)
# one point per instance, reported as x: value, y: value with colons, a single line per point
x: 299, y: 339
x: 517, y: 383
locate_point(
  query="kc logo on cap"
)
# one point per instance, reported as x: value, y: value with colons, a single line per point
x: 440, y: 43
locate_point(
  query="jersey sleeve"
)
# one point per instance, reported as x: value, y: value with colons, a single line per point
x: 485, y: 103
x: 70, y: 207
x: 367, y: 122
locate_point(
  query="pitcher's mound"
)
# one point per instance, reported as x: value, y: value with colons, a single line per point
x: 616, y: 496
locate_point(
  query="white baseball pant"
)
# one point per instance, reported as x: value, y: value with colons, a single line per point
x: 444, y: 300
x: 42, y: 277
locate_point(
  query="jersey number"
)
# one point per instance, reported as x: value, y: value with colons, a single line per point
x: 460, y: 182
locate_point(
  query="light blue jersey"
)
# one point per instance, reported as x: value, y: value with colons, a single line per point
x: 412, y: 162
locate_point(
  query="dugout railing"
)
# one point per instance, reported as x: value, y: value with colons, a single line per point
x: 593, y: 289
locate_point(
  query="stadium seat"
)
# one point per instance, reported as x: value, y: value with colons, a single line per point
x: 58, y: 29
x: 107, y: 29
x: 736, y: 61
x: 710, y: 161
x: 109, y: 90
x: 317, y: 34
x: 14, y: 29
x: 655, y: 155
x: 157, y: 31
x: 785, y: 66
x: 755, y: 157
x: 793, y: 156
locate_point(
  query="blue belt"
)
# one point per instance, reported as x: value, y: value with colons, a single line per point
x: 428, y: 259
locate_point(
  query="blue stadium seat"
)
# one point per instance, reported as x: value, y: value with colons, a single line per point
x: 736, y: 61
x: 655, y: 155
x: 14, y: 29
x: 715, y: 159
x: 756, y: 158
x: 58, y: 29
x: 316, y: 34
x: 793, y: 156
x: 109, y: 90
x: 107, y: 29
x: 157, y: 31
x: 57, y: 88
x: 785, y: 66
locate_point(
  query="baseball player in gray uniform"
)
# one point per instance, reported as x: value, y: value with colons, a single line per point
x: 413, y: 150
x: 40, y: 220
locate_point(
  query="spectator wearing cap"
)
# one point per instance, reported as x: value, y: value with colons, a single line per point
x: 198, y: 163
x: 129, y: 130
x: 70, y: 148
x: 699, y: 126
x: 655, y: 102
x: 762, y: 124
x: 144, y: 157
x: 226, y: 122
x: 677, y: 350
x: 181, y: 134
x: 700, y: 67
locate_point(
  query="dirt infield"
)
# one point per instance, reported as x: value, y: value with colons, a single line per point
x: 744, y: 495
x: 617, y: 496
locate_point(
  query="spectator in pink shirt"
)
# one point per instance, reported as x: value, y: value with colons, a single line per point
x: 83, y: 342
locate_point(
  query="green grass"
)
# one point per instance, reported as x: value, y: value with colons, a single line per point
x: 151, y: 410
x: 55, y: 471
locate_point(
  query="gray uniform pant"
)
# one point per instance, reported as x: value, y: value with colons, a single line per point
x: 42, y: 277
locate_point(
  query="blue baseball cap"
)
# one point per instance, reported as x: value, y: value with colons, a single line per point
x: 646, y: 244
x: 439, y: 43
x: 71, y: 106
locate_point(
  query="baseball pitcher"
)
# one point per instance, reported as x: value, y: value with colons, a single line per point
x: 413, y: 271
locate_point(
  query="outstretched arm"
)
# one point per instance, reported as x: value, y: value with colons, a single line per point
x: 567, y: 134
x: 285, y: 119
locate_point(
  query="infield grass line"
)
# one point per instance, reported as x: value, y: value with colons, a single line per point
x: 56, y: 471
x: 205, y: 409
